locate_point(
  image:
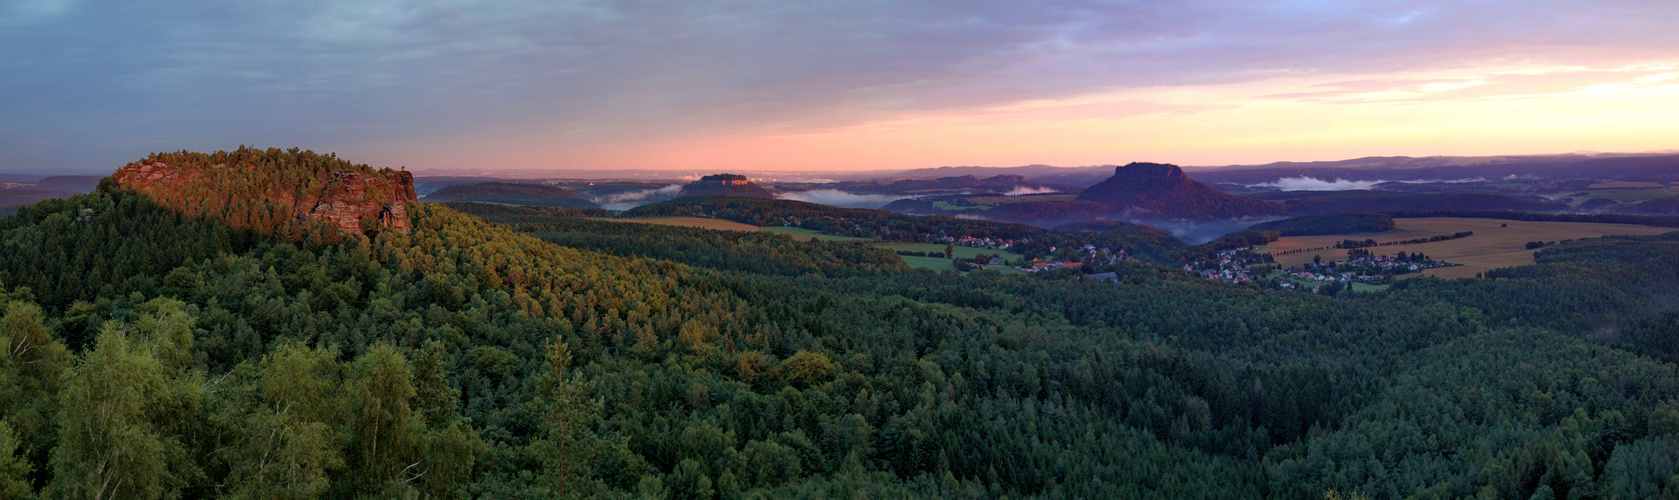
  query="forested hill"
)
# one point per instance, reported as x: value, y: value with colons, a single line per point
x: 512, y: 193
x: 157, y: 353
x: 290, y: 194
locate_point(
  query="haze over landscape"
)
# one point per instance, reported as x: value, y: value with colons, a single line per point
x: 881, y: 249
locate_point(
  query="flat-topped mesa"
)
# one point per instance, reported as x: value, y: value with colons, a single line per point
x: 725, y: 180
x: 725, y: 185
x: 269, y: 191
x: 1161, y: 191
x: 1144, y: 171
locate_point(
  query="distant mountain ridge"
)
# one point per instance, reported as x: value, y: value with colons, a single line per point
x: 1655, y: 165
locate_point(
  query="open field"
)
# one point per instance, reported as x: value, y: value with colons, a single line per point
x: 928, y: 263
x: 961, y: 251
x: 802, y: 234
x: 1491, y: 246
x: 942, y: 264
x: 700, y: 222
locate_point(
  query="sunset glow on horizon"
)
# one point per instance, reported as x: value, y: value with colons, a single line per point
x: 1284, y: 119
x: 455, y: 87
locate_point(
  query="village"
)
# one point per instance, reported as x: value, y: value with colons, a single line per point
x: 1245, y: 265
x: 1231, y: 266
x: 1072, y: 257
x: 1366, y: 267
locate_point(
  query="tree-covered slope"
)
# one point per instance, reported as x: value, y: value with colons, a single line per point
x: 155, y: 354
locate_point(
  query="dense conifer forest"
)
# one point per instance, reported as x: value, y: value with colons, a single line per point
x: 156, y: 353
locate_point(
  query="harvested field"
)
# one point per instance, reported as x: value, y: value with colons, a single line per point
x: 1491, y: 246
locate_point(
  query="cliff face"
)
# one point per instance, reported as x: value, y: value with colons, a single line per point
x: 340, y: 197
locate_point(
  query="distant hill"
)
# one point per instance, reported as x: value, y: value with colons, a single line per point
x: 1043, y: 174
x: 541, y: 195
x: 1666, y: 206
x: 1158, y: 190
x: 72, y: 183
x: 997, y: 183
x: 15, y: 197
x: 725, y: 185
x: 1337, y: 223
x: 425, y: 185
x: 1048, y: 213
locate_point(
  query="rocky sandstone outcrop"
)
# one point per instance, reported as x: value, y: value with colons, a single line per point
x: 342, y: 198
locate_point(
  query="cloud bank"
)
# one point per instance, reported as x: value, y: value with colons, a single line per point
x: 1023, y: 190
x: 1316, y: 184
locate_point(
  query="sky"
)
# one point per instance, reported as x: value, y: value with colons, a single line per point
x: 815, y: 85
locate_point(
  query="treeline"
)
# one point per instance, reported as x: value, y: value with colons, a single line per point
x: 1413, y: 241
x: 909, y: 253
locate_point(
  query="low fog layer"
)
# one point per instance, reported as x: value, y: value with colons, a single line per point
x: 837, y: 198
x: 1023, y: 190
x: 626, y: 201
x: 1198, y: 232
x: 1316, y: 184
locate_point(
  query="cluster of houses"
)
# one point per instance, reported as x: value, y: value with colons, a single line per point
x: 969, y: 241
x: 1230, y: 266
x: 1238, y: 266
x: 1365, y: 267
x: 1087, y: 254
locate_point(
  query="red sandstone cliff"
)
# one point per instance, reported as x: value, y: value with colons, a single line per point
x: 341, y: 197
